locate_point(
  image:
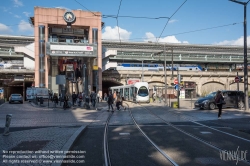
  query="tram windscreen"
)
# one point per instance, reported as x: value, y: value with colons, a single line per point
x: 143, y: 91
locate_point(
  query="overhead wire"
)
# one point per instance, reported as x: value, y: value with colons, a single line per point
x: 187, y: 32
x: 193, y: 31
x: 170, y: 19
x: 118, y: 21
x: 85, y: 8
x: 113, y: 16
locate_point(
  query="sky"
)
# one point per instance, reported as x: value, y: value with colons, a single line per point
x: 213, y: 22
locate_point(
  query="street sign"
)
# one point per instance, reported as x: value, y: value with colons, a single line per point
x: 176, y: 87
x: 236, y: 79
x: 175, y: 81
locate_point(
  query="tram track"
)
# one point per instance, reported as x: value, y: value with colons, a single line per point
x: 207, y: 143
x: 185, y: 117
x: 107, y: 158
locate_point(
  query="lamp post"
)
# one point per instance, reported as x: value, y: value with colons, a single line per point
x: 83, y: 79
x: 245, y: 53
x: 165, y: 74
x: 142, y: 73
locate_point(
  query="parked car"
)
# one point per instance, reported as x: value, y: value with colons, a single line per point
x: 232, y: 99
x: 16, y: 98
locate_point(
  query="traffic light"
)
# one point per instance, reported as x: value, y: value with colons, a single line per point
x: 179, y: 78
x: 240, y: 79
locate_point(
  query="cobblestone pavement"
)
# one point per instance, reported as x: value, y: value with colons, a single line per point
x: 56, y: 129
x: 186, y: 108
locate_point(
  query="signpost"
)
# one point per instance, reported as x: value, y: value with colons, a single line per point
x: 236, y: 79
x: 175, y: 81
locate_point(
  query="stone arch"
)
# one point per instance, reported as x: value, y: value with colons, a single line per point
x: 106, y: 84
x: 211, y: 86
x: 152, y: 83
x: 233, y: 86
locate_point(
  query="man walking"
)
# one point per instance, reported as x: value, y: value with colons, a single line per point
x: 93, y: 98
x: 110, y: 101
x: 74, y: 97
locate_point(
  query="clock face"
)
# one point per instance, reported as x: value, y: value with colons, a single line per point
x: 69, y: 17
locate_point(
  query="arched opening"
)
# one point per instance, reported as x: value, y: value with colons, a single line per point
x: 107, y: 84
x: 209, y: 87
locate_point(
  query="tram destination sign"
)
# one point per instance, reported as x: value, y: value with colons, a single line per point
x: 71, y: 50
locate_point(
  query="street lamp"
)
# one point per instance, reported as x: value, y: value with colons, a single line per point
x: 245, y: 53
x: 83, y: 79
x: 142, y: 74
x: 165, y: 72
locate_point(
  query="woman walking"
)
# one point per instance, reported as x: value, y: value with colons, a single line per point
x: 219, y: 100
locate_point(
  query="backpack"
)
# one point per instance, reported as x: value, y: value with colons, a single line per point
x: 110, y: 99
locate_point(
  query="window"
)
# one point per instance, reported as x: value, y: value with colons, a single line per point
x: 126, y: 93
x: 143, y: 91
x: 230, y: 94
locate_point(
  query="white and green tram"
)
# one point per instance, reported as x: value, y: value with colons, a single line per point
x: 137, y: 91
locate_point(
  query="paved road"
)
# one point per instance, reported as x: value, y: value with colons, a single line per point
x: 49, y: 129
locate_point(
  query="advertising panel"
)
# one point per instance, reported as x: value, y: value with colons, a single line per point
x: 71, y: 49
x: 132, y: 81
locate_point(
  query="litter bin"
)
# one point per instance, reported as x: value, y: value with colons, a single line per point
x: 87, y: 100
x: 41, y: 100
x: 174, y: 104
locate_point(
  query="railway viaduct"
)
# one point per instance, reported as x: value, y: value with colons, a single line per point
x: 219, y: 64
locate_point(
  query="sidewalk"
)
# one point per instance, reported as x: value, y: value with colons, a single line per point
x: 44, y: 137
x: 52, y: 105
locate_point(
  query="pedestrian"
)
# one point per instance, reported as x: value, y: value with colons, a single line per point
x: 134, y: 97
x: 105, y: 97
x: 153, y: 97
x: 79, y: 99
x: 74, y: 97
x: 93, y: 98
x: 114, y: 96
x: 98, y: 97
x: 219, y: 100
x: 83, y: 97
x: 110, y: 101
x: 55, y: 99
x: 65, y: 102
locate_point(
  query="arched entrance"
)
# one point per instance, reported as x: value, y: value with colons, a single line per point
x: 211, y: 87
x: 233, y: 86
x: 106, y: 84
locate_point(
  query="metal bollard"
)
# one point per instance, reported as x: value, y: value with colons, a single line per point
x: 7, y: 125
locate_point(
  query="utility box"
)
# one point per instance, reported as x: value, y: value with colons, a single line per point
x: 174, y: 104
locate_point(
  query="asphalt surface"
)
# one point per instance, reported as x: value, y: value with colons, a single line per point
x: 77, y: 129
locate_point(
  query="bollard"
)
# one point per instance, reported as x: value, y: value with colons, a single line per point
x: 7, y: 125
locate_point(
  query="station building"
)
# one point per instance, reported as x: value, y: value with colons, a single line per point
x: 67, y: 50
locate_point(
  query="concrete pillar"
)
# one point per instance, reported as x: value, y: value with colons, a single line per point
x: 41, y: 56
x: 198, y: 88
x: 54, y: 72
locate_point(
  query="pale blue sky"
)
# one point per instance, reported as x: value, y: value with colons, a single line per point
x: 193, y: 15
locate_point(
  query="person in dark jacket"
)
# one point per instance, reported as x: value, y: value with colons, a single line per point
x: 74, y: 97
x: 55, y: 99
x: 93, y: 98
x: 65, y: 102
x: 219, y: 100
x: 110, y: 101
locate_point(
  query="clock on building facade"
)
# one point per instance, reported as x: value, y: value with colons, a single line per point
x: 69, y: 17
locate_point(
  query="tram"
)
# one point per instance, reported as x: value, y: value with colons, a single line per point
x: 136, y: 92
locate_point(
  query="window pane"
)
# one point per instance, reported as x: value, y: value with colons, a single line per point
x: 143, y: 91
